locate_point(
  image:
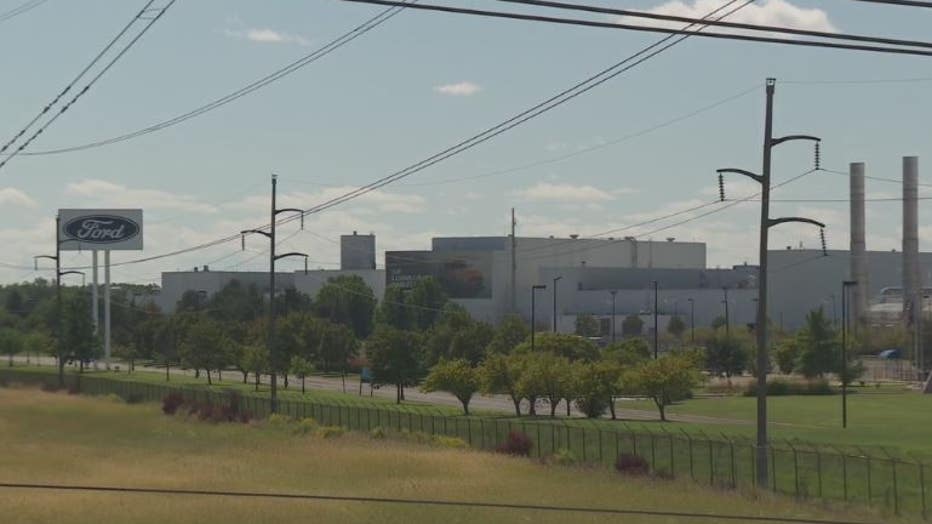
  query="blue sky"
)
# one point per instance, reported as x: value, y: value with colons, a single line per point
x: 422, y: 82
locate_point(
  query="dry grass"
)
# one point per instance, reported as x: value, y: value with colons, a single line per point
x: 55, y: 438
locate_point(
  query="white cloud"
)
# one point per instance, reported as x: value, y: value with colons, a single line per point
x: 770, y: 12
x: 10, y: 196
x: 104, y: 193
x: 460, y: 89
x: 566, y: 193
x: 267, y: 36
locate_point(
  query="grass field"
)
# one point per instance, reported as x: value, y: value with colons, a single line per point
x: 56, y: 438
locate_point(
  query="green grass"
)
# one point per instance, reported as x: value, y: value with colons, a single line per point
x: 57, y: 438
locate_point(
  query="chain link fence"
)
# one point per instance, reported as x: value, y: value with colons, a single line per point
x: 868, y: 476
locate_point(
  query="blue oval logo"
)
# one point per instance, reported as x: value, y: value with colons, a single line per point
x: 101, y: 229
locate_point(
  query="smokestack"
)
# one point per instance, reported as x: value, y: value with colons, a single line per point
x: 858, y: 244
x: 911, y: 284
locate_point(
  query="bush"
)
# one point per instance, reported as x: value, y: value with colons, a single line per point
x: 330, y: 432
x: 171, y: 403
x: 113, y: 397
x: 630, y: 464
x: 592, y: 407
x: 517, y: 443
x: 564, y: 457
x: 450, y: 442
x: 377, y: 432
x: 305, y: 426
x: 277, y: 420
x: 778, y: 388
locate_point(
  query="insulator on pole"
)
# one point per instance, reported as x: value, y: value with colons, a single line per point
x: 302, y: 223
x: 824, y: 244
x: 721, y: 187
x: 305, y: 258
x: 818, y: 155
x: 242, y: 241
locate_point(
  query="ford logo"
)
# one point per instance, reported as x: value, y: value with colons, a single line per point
x: 101, y: 229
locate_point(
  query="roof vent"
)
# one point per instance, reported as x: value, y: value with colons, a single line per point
x: 574, y: 236
x: 671, y: 239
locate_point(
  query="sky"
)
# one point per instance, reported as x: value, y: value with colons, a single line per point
x: 635, y: 148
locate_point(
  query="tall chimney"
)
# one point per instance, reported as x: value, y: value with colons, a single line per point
x: 858, y: 244
x: 911, y: 281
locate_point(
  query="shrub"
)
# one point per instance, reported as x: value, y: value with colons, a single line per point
x: 205, y: 411
x: 564, y: 457
x: 113, y: 397
x: 329, y: 432
x: 171, y: 403
x: 245, y: 417
x: 777, y: 388
x: 450, y: 442
x: 277, y: 420
x: 305, y: 426
x: 517, y: 443
x: 630, y: 464
x: 377, y: 432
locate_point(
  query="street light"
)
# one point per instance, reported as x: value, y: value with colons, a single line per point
x: 727, y: 319
x: 692, y: 321
x: 845, y: 285
x: 555, y: 280
x: 656, y: 325
x: 534, y: 288
x: 613, y: 293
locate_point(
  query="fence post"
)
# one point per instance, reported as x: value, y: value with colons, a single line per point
x: 773, y: 468
x: 617, y: 445
x: 469, y: 431
x: 583, y: 431
x: 734, y: 466
x: 819, y: 469
x: 601, y: 458
x: 795, y: 467
x: 653, y: 452
x: 711, y: 462
x: 540, y: 451
x: 481, y: 434
x: 922, y: 487
x: 689, y: 443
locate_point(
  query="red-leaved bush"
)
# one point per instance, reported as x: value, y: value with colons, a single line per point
x: 171, y: 403
x: 516, y: 443
x: 630, y: 464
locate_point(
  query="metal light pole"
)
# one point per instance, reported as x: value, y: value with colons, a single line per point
x: 58, y: 305
x: 613, y: 293
x: 270, y: 234
x: 534, y: 288
x: 692, y: 321
x: 656, y: 325
x: 727, y: 316
x: 555, y: 280
x: 844, y: 349
x: 763, y: 357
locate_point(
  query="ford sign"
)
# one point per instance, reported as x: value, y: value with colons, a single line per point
x: 115, y: 229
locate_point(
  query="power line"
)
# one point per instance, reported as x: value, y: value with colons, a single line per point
x: 597, y: 147
x: 21, y: 9
x: 904, y: 3
x: 76, y: 79
x: 423, y: 502
x: 653, y: 29
x: 877, y: 178
x: 564, y: 96
x: 86, y: 88
x: 732, y: 25
x: 308, y: 59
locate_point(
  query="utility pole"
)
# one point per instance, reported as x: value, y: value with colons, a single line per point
x: 656, y: 325
x: 58, y: 304
x: 534, y: 288
x: 727, y: 316
x: 555, y: 280
x: 514, y: 265
x: 613, y: 293
x: 844, y: 349
x: 763, y: 357
x: 692, y: 321
x: 270, y: 234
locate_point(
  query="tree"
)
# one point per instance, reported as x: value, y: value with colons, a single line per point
x: 128, y: 352
x: 38, y: 343
x: 394, y: 355
x: 572, y: 347
x: 500, y: 374
x: 818, y: 346
x: 205, y: 346
x: 301, y: 367
x: 456, y: 377
x: 628, y: 353
x: 664, y: 380
x: 11, y: 343
x: 632, y: 326
x: 255, y: 359
x: 510, y: 332
x: 393, y: 310
x: 548, y: 375
x: 349, y: 301
x: 236, y: 303
x: 587, y: 325
x: 676, y: 327
x: 78, y: 338
x: 337, y: 346
x: 787, y: 354
x: 596, y: 386
x: 727, y: 354
x: 426, y: 299
x: 470, y: 342
x: 718, y: 322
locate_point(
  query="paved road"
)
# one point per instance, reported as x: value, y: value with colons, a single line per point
x: 499, y: 403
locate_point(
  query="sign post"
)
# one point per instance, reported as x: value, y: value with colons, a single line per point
x: 101, y: 230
